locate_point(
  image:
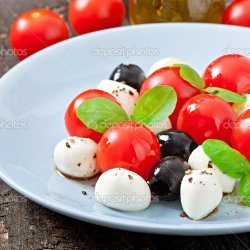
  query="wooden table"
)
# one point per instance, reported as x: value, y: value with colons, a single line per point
x: 25, y: 225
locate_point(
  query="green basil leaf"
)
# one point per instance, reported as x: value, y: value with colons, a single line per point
x: 155, y: 105
x: 228, y: 160
x: 244, y: 189
x: 100, y: 114
x: 225, y: 94
x: 190, y: 75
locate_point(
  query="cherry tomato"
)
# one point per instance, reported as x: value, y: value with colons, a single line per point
x: 73, y: 124
x: 91, y: 15
x: 237, y: 13
x: 230, y: 72
x: 171, y: 77
x: 131, y: 146
x: 35, y: 30
x: 241, y: 134
x: 207, y: 117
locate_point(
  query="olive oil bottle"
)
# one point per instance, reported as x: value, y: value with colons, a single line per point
x: 155, y: 11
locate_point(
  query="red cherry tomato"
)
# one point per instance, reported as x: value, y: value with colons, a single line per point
x: 92, y: 15
x: 73, y: 124
x: 207, y: 117
x: 131, y: 146
x: 171, y: 77
x: 241, y: 134
x: 230, y: 72
x: 35, y: 30
x: 237, y: 13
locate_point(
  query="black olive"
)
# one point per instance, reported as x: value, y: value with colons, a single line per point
x: 131, y: 74
x: 167, y: 176
x: 176, y: 143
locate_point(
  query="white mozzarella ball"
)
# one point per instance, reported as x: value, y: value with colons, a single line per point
x: 198, y: 160
x: 122, y: 190
x: 124, y: 94
x: 227, y: 182
x: 161, y: 126
x: 167, y: 62
x: 76, y: 157
x: 240, y: 108
x: 201, y: 193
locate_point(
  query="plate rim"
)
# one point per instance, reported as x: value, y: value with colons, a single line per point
x: 194, y: 229
x: 112, y: 30
x: 121, y: 223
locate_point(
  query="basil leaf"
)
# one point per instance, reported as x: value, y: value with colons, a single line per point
x: 244, y: 189
x: 225, y: 94
x: 228, y: 160
x: 155, y: 105
x: 190, y: 75
x: 100, y: 114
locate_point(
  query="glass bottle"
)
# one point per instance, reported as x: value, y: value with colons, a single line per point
x: 154, y: 11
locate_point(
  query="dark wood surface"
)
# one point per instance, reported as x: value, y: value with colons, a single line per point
x: 26, y: 225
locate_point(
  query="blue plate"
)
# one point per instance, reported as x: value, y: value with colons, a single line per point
x: 35, y: 94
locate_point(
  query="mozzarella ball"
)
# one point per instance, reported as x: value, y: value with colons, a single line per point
x: 240, y: 108
x: 122, y: 190
x: 201, y: 193
x: 198, y: 160
x: 124, y: 94
x: 161, y: 126
x: 76, y: 157
x: 167, y: 62
x: 227, y: 182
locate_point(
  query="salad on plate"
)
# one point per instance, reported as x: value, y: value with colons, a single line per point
x: 168, y: 135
